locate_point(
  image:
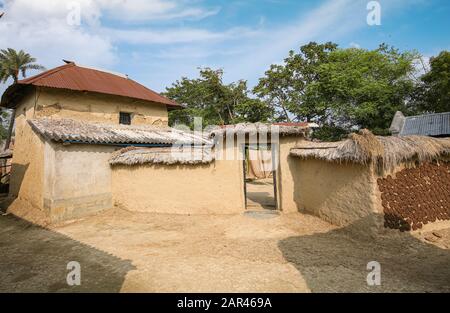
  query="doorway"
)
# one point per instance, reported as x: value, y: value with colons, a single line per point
x: 260, y: 186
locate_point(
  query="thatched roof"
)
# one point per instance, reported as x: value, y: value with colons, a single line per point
x: 73, y: 131
x: 169, y: 156
x: 298, y: 129
x: 384, y: 152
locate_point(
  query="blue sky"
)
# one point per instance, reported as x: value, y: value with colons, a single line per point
x: 157, y: 42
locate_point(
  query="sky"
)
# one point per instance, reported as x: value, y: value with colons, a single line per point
x: 157, y: 42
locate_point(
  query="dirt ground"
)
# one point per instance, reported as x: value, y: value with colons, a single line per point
x: 120, y: 251
x: 261, y: 194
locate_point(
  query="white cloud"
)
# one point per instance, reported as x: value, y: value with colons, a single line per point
x: 44, y: 33
x: 94, y: 10
x: 174, y: 35
x: 133, y: 15
x: 41, y: 27
x: 330, y: 21
x: 163, y: 39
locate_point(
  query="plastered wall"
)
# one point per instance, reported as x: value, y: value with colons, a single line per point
x: 215, y: 188
x: 27, y: 171
x: 287, y: 169
x: 77, y: 180
x: 88, y: 106
x: 338, y: 193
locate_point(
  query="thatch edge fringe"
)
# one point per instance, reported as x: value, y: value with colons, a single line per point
x: 166, y: 156
x: 385, y: 153
x: 258, y: 128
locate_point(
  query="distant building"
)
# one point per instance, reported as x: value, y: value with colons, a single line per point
x: 434, y: 125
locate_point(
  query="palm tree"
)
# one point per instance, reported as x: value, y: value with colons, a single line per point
x: 13, y: 63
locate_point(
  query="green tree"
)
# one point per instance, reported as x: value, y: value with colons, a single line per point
x: 283, y: 87
x: 252, y: 111
x: 215, y: 102
x: 433, y: 94
x: 13, y: 63
x: 358, y: 88
x: 342, y: 89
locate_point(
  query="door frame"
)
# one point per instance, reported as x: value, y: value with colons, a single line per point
x: 273, y: 150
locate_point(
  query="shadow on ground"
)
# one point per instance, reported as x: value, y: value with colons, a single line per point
x: 336, y: 261
x: 263, y: 199
x: 34, y: 259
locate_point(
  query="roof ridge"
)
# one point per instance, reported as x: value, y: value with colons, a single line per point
x: 47, y: 73
x: 82, y: 78
x: 92, y: 68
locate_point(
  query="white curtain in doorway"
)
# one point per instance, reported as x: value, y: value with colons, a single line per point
x: 259, y: 163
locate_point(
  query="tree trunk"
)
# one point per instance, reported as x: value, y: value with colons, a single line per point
x: 286, y: 114
x: 10, y: 129
x: 13, y: 115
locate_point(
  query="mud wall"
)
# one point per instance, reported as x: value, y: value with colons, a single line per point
x: 77, y: 180
x: 27, y: 171
x: 215, y: 188
x: 287, y: 168
x: 416, y: 196
x: 340, y: 193
x: 88, y: 106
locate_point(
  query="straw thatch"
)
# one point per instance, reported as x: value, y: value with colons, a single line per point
x: 168, y: 156
x: 257, y: 128
x: 384, y: 152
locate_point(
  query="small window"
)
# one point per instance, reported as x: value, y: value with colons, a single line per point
x: 125, y: 118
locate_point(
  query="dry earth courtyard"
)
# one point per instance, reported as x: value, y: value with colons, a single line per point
x: 121, y: 251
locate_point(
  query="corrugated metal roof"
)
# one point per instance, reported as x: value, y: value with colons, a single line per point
x: 73, y: 77
x: 427, y: 125
x: 67, y: 130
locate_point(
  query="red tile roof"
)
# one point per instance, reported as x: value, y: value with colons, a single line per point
x: 73, y: 77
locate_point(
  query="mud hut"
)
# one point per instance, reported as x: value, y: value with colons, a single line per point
x: 88, y: 139
x: 207, y: 179
x: 406, y: 179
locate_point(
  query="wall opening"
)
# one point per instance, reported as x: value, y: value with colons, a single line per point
x: 260, y: 177
x: 125, y: 118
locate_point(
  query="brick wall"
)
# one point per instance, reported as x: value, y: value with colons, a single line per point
x: 416, y: 196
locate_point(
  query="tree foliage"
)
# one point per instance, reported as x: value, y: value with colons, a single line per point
x: 357, y: 88
x: 214, y: 101
x: 13, y: 63
x: 343, y: 89
x: 433, y: 94
x: 284, y: 86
